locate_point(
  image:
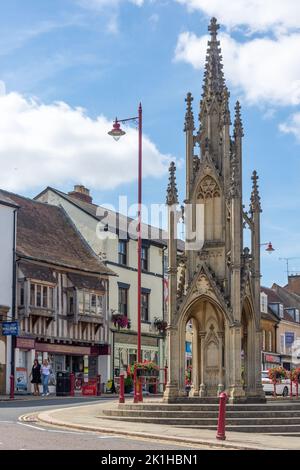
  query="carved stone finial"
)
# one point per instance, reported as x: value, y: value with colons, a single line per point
x: 189, y: 124
x: 238, y: 124
x: 213, y: 74
x: 172, y: 193
x: 213, y: 28
x: 225, y: 107
x: 255, y: 205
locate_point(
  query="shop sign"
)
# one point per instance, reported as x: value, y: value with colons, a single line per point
x: 10, y: 328
x: 272, y: 358
x: 25, y: 343
x: 63, y: 349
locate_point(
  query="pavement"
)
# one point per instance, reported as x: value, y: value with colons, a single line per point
x: 90, y: 418
x: 29, y: 434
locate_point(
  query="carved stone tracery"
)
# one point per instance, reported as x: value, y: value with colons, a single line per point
x: 208, y: 188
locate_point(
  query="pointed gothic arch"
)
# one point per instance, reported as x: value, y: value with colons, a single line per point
x: 210, y: 330
x: 209, y: 193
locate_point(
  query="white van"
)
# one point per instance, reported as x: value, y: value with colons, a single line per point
x: 282, y: 389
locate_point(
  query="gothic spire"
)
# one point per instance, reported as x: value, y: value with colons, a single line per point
x: 172, y: 193
x: 238, y: 124
x: 189, y: 116
x: 213, y: 75
x: 255, y: 205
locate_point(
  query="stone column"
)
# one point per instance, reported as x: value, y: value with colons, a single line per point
x: 221, y: 375
x: 236, y: 388
x: 172, y: 387
x: 202, y: 392
x: 195, y: 360
x: 251, y: 358
x: 258, y: 348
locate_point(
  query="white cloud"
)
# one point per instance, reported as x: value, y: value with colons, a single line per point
x: 55, y: 144
x: 109, y: 9
x: 257, y: 15
x: 265, y: 70
x: 2, y: 88
x: 292, y: 126
x: 98, y: 5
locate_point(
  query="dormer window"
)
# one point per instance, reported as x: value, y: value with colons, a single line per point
x: 281, y: 312
x: 263, y: 302
x: 277, y: 308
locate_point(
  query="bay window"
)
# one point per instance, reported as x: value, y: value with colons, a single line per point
x: 89, y: 303
x: 41, y: 296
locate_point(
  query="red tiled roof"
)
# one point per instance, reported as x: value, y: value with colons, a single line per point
x: 272, y: 295
x: 45, y: 233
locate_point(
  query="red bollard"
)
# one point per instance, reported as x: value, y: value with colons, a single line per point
x: 121, y: 391
x: 12, y: 387
x: 140, y: 389
x: 72, y: 384
x: 135, y: 384
x: 222, y: 417
x: 99, y: 385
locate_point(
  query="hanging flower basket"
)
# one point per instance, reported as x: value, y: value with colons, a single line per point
x: 144, y: 369
x: 120, y: 321
x: 295, y: 375
x: 277, y: 374
x: 160, y: 325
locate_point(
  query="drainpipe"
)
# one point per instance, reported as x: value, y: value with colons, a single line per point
x: 163, y: 281
x: 163, y: 303
x: 14, y: 292
x: 275, y: 344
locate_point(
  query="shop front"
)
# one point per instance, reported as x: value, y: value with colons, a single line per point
x: 270, y: 360
x: 85, y: 362
x: 125, y: 351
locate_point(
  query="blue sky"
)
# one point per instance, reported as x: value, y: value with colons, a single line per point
x: 67, y: 67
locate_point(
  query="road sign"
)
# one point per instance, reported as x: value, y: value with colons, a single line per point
x: 10, y: 328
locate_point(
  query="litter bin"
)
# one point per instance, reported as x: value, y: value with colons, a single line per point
x: 63, y: 384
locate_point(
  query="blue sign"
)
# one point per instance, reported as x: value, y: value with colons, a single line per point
x: 289, y: 339
x: 10, y: 328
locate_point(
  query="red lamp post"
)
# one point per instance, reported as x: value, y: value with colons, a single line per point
x: 116, y: 133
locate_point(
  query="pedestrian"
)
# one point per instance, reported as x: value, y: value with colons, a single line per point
x: 36, y: 376
x: 45, y: 370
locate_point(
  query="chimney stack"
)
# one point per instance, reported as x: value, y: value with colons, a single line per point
x: 82, y: 193
x: 294, y: 284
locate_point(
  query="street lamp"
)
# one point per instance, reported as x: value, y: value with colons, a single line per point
x: 117, y: 133
x: 269, y: 248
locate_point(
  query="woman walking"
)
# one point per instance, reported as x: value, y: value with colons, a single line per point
x: 36, y: 376
x: 45, y: 370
